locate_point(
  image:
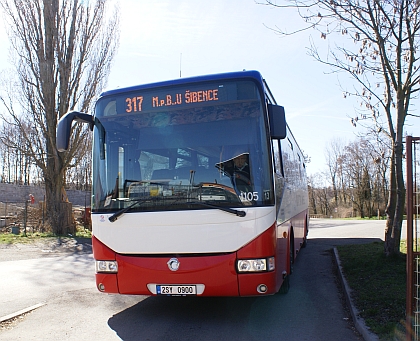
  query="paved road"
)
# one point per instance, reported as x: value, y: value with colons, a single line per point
x: 350, y: 230
x: 74, y: 310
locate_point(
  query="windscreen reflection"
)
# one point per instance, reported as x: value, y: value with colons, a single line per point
x: 174, y: 159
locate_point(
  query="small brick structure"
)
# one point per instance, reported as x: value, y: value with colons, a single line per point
x: 12, y: 193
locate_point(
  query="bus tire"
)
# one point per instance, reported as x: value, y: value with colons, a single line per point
x: 305, y: 240
x: 305, y: 235
x: 291, y: 253
x: 284, y: 289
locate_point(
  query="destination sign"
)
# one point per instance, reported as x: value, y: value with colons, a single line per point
x: 138, y: 103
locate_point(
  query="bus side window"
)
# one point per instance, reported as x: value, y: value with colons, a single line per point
x: 288, y: 159
x: 290, y: 144
x: 278, y: 162
x: 299, y: 166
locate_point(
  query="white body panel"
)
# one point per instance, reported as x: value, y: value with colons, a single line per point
x: 196, y: 231
x: 293, y: 202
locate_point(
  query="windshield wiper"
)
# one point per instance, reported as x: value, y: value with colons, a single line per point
x: 117, y: 214
x: 125, y: 209
x: 225, y: 209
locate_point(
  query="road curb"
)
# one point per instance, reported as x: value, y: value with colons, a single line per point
x: 20, y: 312
x: 358, y: 321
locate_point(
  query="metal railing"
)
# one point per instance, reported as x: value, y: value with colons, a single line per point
x: 413, y: 237
x: 23, y: 216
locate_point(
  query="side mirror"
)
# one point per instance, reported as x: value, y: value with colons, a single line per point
x: 64, y: 128
x: 277, y: 118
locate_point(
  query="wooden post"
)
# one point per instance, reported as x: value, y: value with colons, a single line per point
x: 66, y: 208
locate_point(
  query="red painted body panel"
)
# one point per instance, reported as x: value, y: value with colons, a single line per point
x: 300, y: 230
x: 217, y: 273
x: 262, y: 246
x: 100, y: 251
x: 109, y: 281
x: 248, y: 283
x: 282, y: 257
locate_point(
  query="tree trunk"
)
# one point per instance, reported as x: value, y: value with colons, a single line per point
x: 333, y: 179
x: 395, y: 209
x: 53, y: 197
x: 312, y: 199
x: 396, y: 199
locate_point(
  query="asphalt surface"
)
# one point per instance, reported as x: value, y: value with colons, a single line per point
x: 314, y: 309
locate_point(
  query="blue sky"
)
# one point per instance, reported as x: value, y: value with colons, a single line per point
x: 201, y: 37
x: 158, y: 38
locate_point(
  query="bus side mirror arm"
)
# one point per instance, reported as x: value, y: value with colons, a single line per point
x: 64, y: 127
x: 277, y: 118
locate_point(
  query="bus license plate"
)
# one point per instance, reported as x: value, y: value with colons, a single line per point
x: 178, y: 290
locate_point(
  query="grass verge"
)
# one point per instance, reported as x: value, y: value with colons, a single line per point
x: 10, y: 238
x: 378, y: 285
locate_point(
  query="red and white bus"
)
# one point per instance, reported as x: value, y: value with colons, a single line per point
x: 199, y: 188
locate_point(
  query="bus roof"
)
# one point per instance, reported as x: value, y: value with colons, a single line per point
x: 220, y: 76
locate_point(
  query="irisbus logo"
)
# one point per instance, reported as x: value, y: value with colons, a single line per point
x: 173, y: 264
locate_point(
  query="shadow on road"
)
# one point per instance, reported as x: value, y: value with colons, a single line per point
x: 330, y: 243
x: 189, y: 318
x: 312, y: 310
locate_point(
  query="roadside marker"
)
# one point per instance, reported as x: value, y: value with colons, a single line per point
x: 20, y: 312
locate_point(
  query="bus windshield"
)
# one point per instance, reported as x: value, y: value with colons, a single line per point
x: 173, y: 148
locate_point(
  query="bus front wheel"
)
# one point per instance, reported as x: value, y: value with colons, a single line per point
x: 284, y: 289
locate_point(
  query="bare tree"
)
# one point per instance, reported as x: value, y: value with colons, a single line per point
x: 380, y: 56
x: 320, y: 195
x: 356, y: 165
x: 360, y: 172
x: 62, y: 50
x: 380, y: 154
x: 333, y: 154
x: 312, y: 196
x: 79, y: 176
x: 6, y: 156
x: 16, y: 162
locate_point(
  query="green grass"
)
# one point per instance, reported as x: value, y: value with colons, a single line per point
x: 83, y: 233
x: 10, y: 238
x: 378, y: 285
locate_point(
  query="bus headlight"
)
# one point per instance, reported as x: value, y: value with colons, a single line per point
x: 256, y: 265
x: 107, y: 266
